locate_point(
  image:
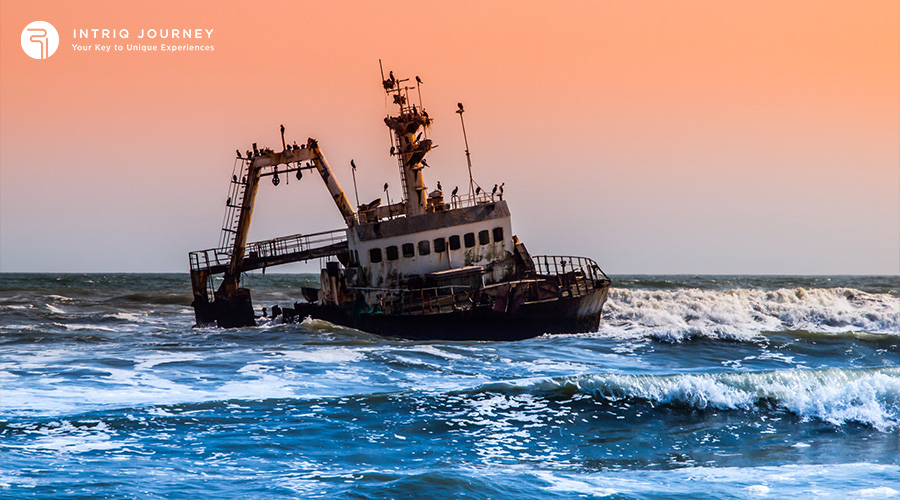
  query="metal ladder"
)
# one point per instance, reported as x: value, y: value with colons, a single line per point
x: 233, y: 206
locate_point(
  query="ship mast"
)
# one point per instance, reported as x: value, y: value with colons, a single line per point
x: 409, y: 145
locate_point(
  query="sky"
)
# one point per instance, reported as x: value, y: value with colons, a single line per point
x: 696, y: 137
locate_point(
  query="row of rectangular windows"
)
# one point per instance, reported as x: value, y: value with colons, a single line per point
x: 440, y: 245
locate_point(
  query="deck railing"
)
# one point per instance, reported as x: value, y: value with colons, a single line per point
x: 576, y: 275
x: 556, y: 277
x: 470, y: 200
x: 267, y: 249
x: 430, y: 300
x: 549, y: 265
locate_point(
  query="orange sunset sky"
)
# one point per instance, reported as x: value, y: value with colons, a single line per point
x: 653, y: 136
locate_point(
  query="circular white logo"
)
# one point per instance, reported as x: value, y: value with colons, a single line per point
x: 40, y: 40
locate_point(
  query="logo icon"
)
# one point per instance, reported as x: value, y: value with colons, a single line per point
x: 40, y: 40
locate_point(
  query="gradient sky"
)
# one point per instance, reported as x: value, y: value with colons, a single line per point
x: 653, y: 136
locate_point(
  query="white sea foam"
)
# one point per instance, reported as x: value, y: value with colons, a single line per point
x: 23, y: 328
x: 572, y: 485
x: 119, y: 388
x: 784, y: 481
x: 758, y: 490
x: 65, y: 437
x: 674, y: 315
x: 134, y: 318
x: 548, y: 365
x: 316, y: 324
x: 435, y: 351
x: 325, y: 355
x: 148, y: 362
x: 54, y: 309
x: 84, y: 327
x: 880, y: 492
x: 837, y: 396
x: 60, y: 298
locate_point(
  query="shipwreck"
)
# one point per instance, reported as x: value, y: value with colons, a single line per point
x: 426, y: 266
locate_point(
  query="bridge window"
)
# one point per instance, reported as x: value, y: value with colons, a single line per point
x: 392, y: 252
x: 374, y: 255
x: 440, y: 245
x: 454, y: 242
x: 469, y: 238
x: 498, y: 234
x: 424, y: 247
x: 409, y: 250
x: 484, y: 237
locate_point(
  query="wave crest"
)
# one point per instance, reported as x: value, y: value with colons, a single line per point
x: 740, y: 314
x: 837, y: 396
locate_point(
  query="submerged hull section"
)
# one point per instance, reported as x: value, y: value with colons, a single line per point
x: 563, y: 315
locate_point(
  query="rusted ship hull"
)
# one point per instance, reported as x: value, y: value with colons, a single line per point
x: 425, y: 267
x: 482, y: 323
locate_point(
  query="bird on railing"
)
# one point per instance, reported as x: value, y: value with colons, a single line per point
x: 455, y: 190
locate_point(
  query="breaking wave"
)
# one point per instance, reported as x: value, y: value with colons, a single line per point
x: 741, y: 314
x: 837, y: 396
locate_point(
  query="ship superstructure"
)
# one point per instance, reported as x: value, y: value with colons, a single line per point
x: 424, y: 266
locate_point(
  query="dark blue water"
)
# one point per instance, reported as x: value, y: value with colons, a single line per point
x: 694, y: 387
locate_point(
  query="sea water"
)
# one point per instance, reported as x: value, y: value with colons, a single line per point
x: 693, y: 387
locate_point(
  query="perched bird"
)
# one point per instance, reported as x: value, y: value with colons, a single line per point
x: 238, y: 151
x: 494, y: 191
x: 392, y: 150
x: 234, y: 178
x: 439, y: 182
x: 248, y: 153
x: 460, y: 106
x: 282, y: 128
x: 425, y: 114
x: 353, y: 164
x: 415, y: 111
x: 418, y: 80
x: 426, y: 164
x: 385, y: 186
x: 501, y: 189
x: 229, y: 201
x: 455, y: 190
x: 391, y: 77
x: 478, y: 190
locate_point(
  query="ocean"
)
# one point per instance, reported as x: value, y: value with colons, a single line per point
x: 694, y: 387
